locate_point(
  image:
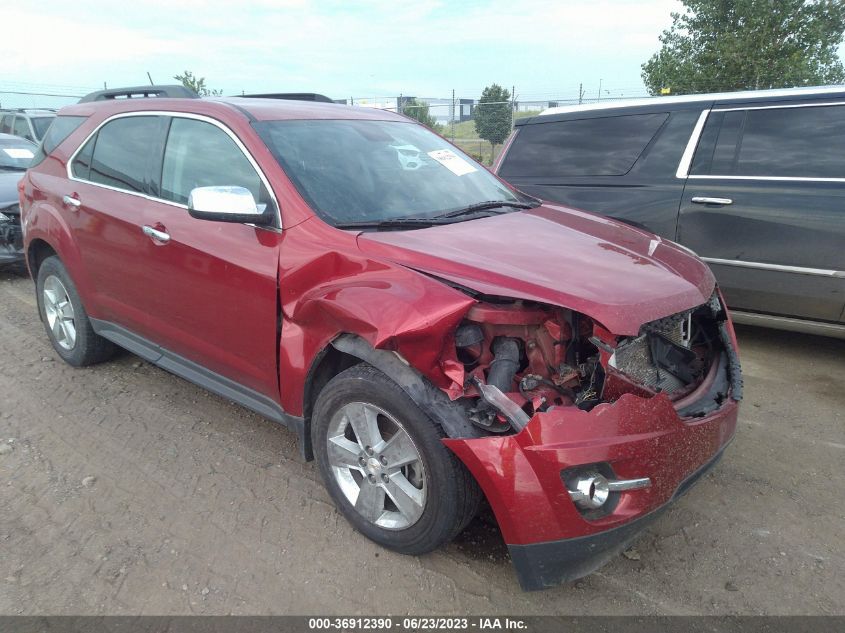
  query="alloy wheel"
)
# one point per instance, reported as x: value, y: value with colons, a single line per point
x: 59, y: 312
x: 377, y: 466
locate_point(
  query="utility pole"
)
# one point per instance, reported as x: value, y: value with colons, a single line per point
x: 600, y: 80
x: 513, y: 105
x: 453, y: 115
x: 580, y: 93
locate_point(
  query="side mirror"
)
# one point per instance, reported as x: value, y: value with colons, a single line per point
x: 226, y: 204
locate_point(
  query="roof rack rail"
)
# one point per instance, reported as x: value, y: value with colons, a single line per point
x: 25, y: 110
x: 171, y: 92
x: 293, y: 96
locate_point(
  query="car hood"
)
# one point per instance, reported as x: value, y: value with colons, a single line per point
x: 9, y: 187
x: 618, y: 275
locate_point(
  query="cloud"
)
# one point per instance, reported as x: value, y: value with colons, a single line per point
x: 422, y: 47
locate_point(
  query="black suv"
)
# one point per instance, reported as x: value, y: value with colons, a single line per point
x: 754, y: 182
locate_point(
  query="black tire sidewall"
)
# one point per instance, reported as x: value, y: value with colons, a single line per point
x: 77, y: 356
x: 436, y: 526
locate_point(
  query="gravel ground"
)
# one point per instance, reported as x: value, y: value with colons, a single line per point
x: 126, y: 490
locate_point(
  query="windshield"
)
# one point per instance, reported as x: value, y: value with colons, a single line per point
x: 16, y: 154
x: 41, y: 124
x: 353, y: 171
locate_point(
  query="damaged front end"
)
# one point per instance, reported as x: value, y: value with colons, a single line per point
x: 515, y: 359
x: 585, y: 434
x: 11, y: 237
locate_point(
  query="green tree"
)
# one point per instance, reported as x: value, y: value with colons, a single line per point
x: 493, y: 115
x: 419, y: 110
x: 197, y: 84
x: 725, y: 45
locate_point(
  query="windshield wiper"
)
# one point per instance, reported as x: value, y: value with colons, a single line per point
x: 419, y: 223
x: 488, y: 205
x: 436, y: 219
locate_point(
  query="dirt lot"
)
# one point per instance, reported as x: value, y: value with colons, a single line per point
x: 126, y: 490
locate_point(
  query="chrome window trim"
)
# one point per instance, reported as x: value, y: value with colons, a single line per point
x: 692, y: 144
x: 781, y: 107
x: 772, y: 178
x: 819, y: 272
x: 183, y: 115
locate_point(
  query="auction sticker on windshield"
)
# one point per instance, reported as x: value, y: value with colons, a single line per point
x: 16, y: 152
x: 451, y: 161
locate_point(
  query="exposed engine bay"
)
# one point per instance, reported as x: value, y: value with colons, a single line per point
x: 11, y: 237
x: 521, y: 358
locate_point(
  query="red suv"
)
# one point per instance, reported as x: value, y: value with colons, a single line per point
x: 432, y: 335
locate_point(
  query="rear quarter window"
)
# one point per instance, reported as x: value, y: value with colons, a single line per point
x: 604, y: 146
x: 59, y: 130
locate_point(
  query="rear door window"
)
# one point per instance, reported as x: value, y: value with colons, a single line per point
x: 22, y: 128
x: 605, y: 146
x: 121, y: 152
x: 786, y: 142
x: 797, y: 142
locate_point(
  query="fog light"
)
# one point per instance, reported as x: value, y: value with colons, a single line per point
x: 591, y: 491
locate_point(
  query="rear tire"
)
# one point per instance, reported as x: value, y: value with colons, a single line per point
x: 384, y: 465
x: 65, y: 319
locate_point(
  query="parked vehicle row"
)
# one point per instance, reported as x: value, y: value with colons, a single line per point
x: 27, y: 123
x: 430, y: 333
x: 754, y: 182
x: 15, y: 156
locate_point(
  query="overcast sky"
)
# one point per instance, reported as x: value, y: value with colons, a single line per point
x: 356, y: 48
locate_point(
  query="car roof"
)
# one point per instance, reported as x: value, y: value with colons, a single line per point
x: 29, y: 112
x: 257, y: 109
x: 654, y: 103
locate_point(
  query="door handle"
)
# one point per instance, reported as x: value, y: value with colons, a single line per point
x: 158, y: 236
x: 705, y: 200
x: 72, y: 201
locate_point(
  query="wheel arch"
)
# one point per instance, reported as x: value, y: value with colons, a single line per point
x: 347, y: 350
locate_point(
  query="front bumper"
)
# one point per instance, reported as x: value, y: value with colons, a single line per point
x: 550, y: 540
x: 543, y: 565
x: 11, y: 241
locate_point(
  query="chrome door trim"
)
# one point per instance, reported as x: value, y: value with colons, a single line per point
x: 692, y: 143
x: 183, y: 115
x: 819, y: 272
x: 706, y: 200
x: 773, y: 178
x: 819, y: 328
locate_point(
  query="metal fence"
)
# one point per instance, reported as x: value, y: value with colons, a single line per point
x: 452, y: 116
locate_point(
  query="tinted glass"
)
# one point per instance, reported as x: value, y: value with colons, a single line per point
x: 367, y: 171
x: 41, y: 124
x: 801, y: 142
x: 6, y: 124
x: 199, y: 154
x: 121, y: 152
x: 58, y: 131
x: 81, y: 166
x: 717, y: 147
x: 606, y: 146
x: 21, y: 128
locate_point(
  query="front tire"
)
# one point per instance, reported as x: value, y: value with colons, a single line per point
x: 65, y: 319
x: 385, y: 467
